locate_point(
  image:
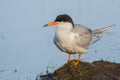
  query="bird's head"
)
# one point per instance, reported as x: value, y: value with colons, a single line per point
x: 61, y: 20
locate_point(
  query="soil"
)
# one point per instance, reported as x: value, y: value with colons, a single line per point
x: 97, y: 70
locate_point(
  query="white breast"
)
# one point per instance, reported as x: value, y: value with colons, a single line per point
x: 62, y: 36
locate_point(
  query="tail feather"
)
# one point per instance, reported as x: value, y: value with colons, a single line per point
x: 98, y: 34
x: 103, y: 29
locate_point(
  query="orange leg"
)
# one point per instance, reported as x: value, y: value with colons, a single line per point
x: 68, y: 58
x: 76, y: 63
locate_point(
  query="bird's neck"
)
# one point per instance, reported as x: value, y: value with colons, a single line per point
x: 65, y: 28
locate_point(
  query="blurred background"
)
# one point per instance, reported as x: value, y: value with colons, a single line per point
x: 27, y: 49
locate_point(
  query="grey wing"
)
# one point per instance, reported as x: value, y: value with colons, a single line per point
x: 99, y: 33
x: 84, y: 36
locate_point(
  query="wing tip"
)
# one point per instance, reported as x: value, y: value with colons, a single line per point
x: 111, y: 25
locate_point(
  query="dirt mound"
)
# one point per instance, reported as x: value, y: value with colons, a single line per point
x: 97, y: 70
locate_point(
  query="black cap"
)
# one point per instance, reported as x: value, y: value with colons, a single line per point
x: 64, y: 18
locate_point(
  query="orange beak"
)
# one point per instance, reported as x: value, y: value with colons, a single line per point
x: 51, y: 24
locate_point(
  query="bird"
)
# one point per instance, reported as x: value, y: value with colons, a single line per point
x: 74, y: 38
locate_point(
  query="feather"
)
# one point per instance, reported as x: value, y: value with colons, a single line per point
x: 99, y: 33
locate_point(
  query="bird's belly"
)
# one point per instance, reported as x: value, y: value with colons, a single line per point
x: 70, y: 47
x: 66, y: 46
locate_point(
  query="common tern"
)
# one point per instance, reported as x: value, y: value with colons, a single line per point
x: 74, y: 38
